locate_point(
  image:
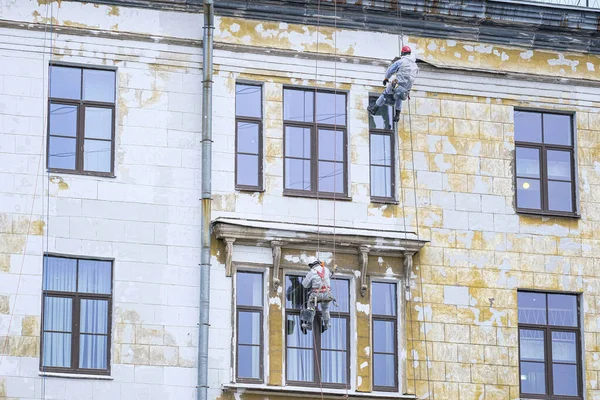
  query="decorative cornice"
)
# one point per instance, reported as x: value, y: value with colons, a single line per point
x: 311, y: 237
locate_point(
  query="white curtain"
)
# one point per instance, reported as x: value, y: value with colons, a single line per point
x: 300, y: 354
x: 60, y: 274
x: 58, y: 314
x: 93, y: 338
x: 94, y: 276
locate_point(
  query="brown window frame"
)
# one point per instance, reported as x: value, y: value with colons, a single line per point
x: 81, y: 105
x: 386, y: 318
x: 252, y: 309
x: 314, y: 127
x: 260, y: 154
x: 543, y: 149
x: 548, y: 329
x: 393, y: 150
x: 317, y: 344
x: 75, y: 320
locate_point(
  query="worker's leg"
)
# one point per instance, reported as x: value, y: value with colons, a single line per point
x: 325, y: 313
x: 381, y: 100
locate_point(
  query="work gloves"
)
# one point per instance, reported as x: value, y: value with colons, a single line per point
x: 385, y: 81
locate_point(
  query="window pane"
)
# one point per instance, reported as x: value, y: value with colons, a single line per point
x: 528, y: 162
x: 248, y: 362
x: 533, y: 378
x: 383, y: 298
x: 560, y: 196
x: 94, y: 276
x: 65, y: 82
x: 381, y: 181
x: 328, y: 140
x: 559, y: 165
x: 96, y: 155
x: 528, y: 193
x: 381, y: 153
x: 94, y: 316
x: 331, y: 108
x: 531, y: 345
x: 92, y: 351
x: 63, y: 120
x: 384, y: 336
x: 295, y: 294
x: 331, y: 177
x: 248, y: 101
x: 562, y: 309
x: 295, y: 337
x: 297, y: 142
x: 247, y: 170
x: 98, y: 123
x: 528, y: 126
x: 99, y: 85
x: 564, y: 347
x: 249, y: 289
x: 335, y: 337
x: 247, y: 137
x: 565, y: 379
x: 383, y: 118
x: 532, y: 308
x: 557, y: 129
x: 60, y: 274
x: 298, y: 105
x: 297, y: 174
x: 333, y: 366
x: 340, y: 290
x: 61, y: 153
x: 58, y: 314
x: 300, y: 365
x: 249, y: 328
x: 57, y: 350
x: 384, y: 370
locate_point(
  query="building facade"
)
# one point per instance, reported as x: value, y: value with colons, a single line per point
x: 465, y: 242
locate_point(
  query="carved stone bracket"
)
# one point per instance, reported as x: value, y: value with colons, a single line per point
x: 276, y: 248
x: 363, y: 259
x: 229, y: 267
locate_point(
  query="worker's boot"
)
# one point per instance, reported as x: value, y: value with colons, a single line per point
x: 373, y: 109
x: 397, y: 116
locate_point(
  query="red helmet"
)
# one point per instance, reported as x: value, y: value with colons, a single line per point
x: 406, y: 49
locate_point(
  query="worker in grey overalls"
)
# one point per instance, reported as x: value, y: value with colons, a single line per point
x: 319, y: 283
x: 406, y: 70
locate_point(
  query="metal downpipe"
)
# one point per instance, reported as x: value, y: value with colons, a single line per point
x: 207, y: 72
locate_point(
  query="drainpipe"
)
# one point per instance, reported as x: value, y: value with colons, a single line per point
x: 207, y: 72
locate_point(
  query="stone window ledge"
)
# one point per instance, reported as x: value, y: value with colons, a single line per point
x: 309, y: 393
x: 76, y: 376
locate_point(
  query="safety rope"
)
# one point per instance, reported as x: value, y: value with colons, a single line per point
x: 45, y: 70
x: 409, y: 297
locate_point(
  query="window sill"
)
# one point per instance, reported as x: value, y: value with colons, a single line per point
x: 81, y: 173
x: 309, y: 393
x: 548, y: 214
x: 321, y: 196
x: 381, y: 200
x: 248, y: 189
x: 76, y: 376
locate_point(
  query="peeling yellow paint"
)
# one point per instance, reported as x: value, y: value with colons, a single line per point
x: 62, y: 185
x: 48, y: 2
x: 113, y: 11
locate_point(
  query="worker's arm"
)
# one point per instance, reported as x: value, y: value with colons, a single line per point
x: 392, y: 69
x: 307, y: 281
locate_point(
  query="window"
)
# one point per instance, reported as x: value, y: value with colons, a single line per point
x: 76, y: 315
x: 315, y: 143
x: 544, y: 162
x: 249, y: 317
x: 327, y: 352
x: 81, y: 120
x: 381, y: 143
x: 549, y: 346
x: 248, y: 122
x: 385, y: 336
